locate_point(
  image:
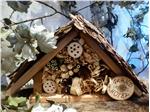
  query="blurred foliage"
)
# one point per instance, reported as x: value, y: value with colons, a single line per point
x: 134, y: 48
x: 21, y: 6
x: 130, y: 33
x: 68, y: 6
x: 13, y: 103
x: 135, y: 30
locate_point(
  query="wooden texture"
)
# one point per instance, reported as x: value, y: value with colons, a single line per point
x: 37, y: 82
x: 113, y: 60
x: 22, y: 69
x: 110, y: 106
x: 60, y: 98
x: 120, y: 88
x: 85, y: 26
x: 137, y: 91
x: 41, y: 63
x: 114, y: 66
x: 95, y: 46
x: 133, y: 105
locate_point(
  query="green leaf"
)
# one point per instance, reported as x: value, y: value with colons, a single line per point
x: 20, y: 100
x: 37, y: 97
x: 147, y: 55
x: 146, y: 37
x: 131, y: 33
x: 134, y: 48
x: 7, y: 21
x: 127, y: 4
x: 21, y: 6
x: 16, y: 101
x: 12, y: 102
x: 132, y: 66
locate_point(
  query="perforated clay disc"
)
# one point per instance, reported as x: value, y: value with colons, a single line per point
x: 49, y: 87
x: 75, y: 49
x: 120, y: 88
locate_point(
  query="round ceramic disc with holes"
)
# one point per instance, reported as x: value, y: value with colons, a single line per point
x: 75, y: 49
x: 49, y: 86
x: 120, y: 88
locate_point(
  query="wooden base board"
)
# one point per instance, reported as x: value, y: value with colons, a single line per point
x: 70, y: 98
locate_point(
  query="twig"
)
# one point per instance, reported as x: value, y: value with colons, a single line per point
x: 144, y: 25
x: 5, y: 107
x: 130, y: 54
x: 56, y: 11
x: 11, y: 14
x: 31, y: 23
x: 129, y: 57
x: 111, y: 39
x: 142, y: 47
x: 143, y: 68
x: 86, y: 7
x: 135, y: 58
x: 33, y: 19
x: 110, y: 28
x: 130, y: 15
x: 42, y: 21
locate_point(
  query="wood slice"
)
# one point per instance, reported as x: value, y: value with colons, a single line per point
x: 49, y: 87
x: 75, y: 49
x: 120, y: 88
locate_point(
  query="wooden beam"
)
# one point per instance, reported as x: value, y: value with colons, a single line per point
x: 60, y: 98
x: 41, y: 63
x: 95, y: 45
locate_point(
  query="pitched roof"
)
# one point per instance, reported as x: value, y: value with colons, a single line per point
x: 79, y: 23
x: 82, y: 24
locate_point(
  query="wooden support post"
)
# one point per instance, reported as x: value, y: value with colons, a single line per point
x: 37, y: 84
x: 41, y: 63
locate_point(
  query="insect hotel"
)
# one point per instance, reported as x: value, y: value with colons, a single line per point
x: 83, y: 67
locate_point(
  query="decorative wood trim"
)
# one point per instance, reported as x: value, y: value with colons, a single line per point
x: 94, y: 44
x: 41, y: 63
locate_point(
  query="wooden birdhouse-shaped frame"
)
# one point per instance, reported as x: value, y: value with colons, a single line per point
x: 82, y: 54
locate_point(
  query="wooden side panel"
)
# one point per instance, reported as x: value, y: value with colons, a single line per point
x: 41, y: 63
x: 94, y: 44
x: 37, y: 85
